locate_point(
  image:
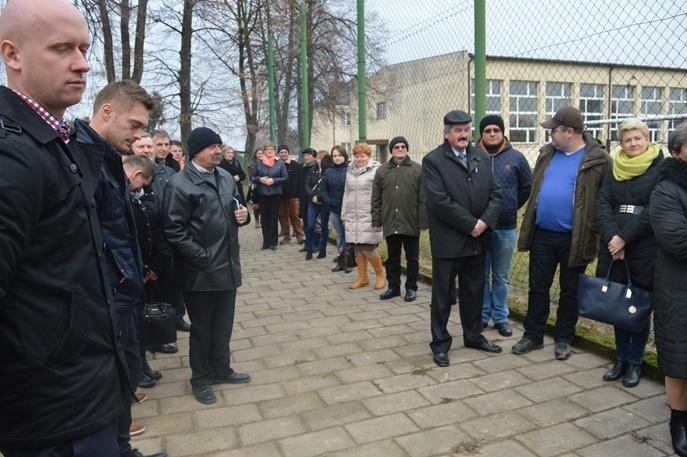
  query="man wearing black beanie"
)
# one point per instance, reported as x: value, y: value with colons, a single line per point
x: 512, y: 172
x: 206, y: 255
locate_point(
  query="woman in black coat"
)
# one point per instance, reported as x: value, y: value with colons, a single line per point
x: 668, y: 216
x: 331, y: 193
x: 626, y: 236
x: 233, y: 166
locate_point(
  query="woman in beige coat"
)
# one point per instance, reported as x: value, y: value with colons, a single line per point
x: 356, y: 213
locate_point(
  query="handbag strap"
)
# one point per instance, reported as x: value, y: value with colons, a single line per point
x: 627, y: 271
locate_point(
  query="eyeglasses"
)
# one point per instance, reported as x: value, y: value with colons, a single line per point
x: 492, y: 130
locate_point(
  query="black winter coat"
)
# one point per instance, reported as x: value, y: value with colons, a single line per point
x: 60, y: 367
x: 635, y: 229
x: 668, y: 215
x: 333, y: 185
x: 456, y: 197
x: 199, y: 224
x: 115, y: 212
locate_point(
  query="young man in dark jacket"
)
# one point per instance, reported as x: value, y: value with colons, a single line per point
x: 120, y: 112
x: 463, y: 201
x: 514, y: 177
x: 399, y: 209
x: 62, y: 373
x: 201, y: 217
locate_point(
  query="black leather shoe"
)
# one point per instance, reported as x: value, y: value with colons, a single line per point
x: 164, y: 349
x: 308, y: 255
x: 678, y: 436
x: 633, y: 374
x: 153, y: 374
x: 146, y: 382
x: 562, y: 350
x: 411, y: 295
x: 137, y: 453
x: 616, y: 372
x: 183, y: 326
x: 337, y: 267
x: 504, y: 329
x: 233, y: 378
x: 205, y: 395
x: 441, y: 359
x: 391, y: 292
x: 322, y: 255
x: 526, y: 345
x: 484, y: 345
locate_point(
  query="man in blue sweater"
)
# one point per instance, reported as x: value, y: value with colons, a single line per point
x: 558, y: 228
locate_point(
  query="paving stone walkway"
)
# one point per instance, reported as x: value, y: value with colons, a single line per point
x: 340, y: 373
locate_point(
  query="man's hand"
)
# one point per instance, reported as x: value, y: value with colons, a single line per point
x: 241, y: 214
x: 480, y: 227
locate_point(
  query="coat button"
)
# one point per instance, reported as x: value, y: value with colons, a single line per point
x: 93, y: 203
x: 73, y: 168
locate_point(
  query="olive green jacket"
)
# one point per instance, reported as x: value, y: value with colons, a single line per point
x: 585, y: 235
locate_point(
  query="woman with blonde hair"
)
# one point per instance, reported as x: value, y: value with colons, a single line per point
x: 356, y: 214
x: 623, y: 219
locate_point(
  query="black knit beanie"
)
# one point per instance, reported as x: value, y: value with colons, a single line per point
x: 398, y: 139
x: 492, y: 119
x: 282, y: 147
x: 200, y: 138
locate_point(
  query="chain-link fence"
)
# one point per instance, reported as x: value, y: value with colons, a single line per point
x: 612, y: 59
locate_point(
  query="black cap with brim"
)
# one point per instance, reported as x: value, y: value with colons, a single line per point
x: 457, y: 117
x: 568, y: 116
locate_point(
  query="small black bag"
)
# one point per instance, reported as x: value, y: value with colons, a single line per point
x: 622, y: 305
x: 158, y: 324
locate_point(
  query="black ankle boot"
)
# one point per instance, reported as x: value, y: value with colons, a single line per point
x: 322, y: 254
x: 616, y: 372
x: 678, y: 432
x: 632, y: 375
x: 308, y: 255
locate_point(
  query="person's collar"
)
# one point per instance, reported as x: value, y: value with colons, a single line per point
x: 201, y: 169
x: 59, y: 125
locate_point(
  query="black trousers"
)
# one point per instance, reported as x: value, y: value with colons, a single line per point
x: 551, y: 250
x: 128, y: 331
x: 470, y: 273
x: 212, y: 314
x: 269, y: 218
x: 411, y: 245
x: 101, y: 443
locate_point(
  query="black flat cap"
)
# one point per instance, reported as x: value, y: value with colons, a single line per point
x: 457, y: 117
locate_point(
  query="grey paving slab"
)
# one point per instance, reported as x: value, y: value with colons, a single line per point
x: 339, y: 373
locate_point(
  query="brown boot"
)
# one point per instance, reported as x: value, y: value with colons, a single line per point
x: 361, y: 280
x: 380, y: 277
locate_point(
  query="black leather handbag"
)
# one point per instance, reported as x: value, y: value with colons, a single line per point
x: 158, y: 325
x: 622, y: 305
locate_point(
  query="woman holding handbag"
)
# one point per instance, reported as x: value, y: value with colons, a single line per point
x: 623, y: 220
x: 668, y: 216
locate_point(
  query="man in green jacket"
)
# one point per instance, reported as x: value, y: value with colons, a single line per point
x: 558, y: 228
x: 398, y: 207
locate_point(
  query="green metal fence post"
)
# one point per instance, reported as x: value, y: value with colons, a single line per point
x: 480, y: 62
x: 305, y: 124
x: 362, y: 93
x: 270, y: 86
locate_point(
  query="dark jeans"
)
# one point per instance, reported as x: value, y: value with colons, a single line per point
x: 101, y: 443
x: 551, y: 250
x: 470, y: 272
x: 269, y: 218
x: 212, y: 315
x: 128, y: 339
x: 311, y: 218
x: 411, y: 245
x: 630, y: 346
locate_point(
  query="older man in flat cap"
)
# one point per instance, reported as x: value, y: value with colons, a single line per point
x: 463, y: 201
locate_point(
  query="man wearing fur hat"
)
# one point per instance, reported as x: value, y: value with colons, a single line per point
x: 202, y: 215
x: 514, y: 176
x: 463, y: 201
x: 398, y: 207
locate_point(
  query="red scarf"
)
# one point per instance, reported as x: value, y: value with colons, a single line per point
x: 268, y: 161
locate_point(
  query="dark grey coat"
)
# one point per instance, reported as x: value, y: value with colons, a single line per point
x: 456, y: 198
x: 199, y: 224
x: 668, y: 215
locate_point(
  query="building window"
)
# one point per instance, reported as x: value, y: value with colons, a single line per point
x: 346, y: 119
x: 381, y: 110
x: 677, y: 105
x: 591, y: 107
x: 523, y: 112
x: 557, y: 96
x: 651, y: 106
x: 347, y: 147
x: 493, y: 97
x: 622, y: 101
